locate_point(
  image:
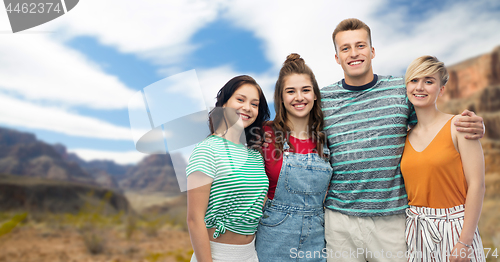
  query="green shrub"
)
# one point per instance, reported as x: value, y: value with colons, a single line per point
x: 12, y: 223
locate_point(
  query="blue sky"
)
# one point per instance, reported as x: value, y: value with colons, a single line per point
x: 69, y: 81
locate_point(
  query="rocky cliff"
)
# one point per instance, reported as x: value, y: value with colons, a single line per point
x: 39, y: 177
x: 475, y: 85
x: 153, y: 173
x: 106, y: 173
x: 35, y: 194
x: 473, y: 75
x: 23, y: 155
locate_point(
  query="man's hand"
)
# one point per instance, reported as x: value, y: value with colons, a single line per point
x: 267, y: 139
x: 468, y: 122
x: 259, y: 144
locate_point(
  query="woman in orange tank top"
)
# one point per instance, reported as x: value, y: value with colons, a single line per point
x: 443, y: 173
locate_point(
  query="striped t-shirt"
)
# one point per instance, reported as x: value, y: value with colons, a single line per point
x: 239, y: 184
x: 366, y: 130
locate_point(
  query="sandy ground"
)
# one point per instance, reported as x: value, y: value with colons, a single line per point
x: 140, y: 201
x: 40, y: 244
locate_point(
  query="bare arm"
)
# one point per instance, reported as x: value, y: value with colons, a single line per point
x: 470, y: 124
x: 472, y: 157
x: 197, y: 202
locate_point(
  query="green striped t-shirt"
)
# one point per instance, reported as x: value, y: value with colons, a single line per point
x: 366, y: 130
x: 239, y: 184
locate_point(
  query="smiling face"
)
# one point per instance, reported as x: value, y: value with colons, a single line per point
x: 424, y: 91
x: 298, y: 96
x: 355, y: 55
x: 245, y: 102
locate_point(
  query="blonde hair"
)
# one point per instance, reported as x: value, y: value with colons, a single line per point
x: 425, y: 66
x: 351, y: 24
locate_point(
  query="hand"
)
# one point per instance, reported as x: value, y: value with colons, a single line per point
x: 468, y: 122
x: 258, y: 144
x: 460, y: 253
x: 267, y: 139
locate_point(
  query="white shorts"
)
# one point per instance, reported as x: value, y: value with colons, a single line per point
x: 232, y: 253
x: 360, y: 239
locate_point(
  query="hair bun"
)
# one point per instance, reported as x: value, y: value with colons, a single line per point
x: 293, y: 57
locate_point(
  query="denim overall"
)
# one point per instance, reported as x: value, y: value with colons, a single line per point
x: 292, y: 226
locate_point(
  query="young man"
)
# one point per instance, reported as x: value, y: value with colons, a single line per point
x: 366, y: 120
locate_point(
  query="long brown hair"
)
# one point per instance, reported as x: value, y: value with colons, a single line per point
x: 294, y: 64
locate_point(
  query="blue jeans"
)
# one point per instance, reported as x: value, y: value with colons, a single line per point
x: 292, y: 226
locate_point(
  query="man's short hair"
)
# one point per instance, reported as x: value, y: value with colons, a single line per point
x: 425, y: 66
x: 348, y: 25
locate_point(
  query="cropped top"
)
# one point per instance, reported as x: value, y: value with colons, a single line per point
x: 238, y: 188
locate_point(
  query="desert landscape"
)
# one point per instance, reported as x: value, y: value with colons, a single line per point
x: 475, y: 85
x: 106, y: 226
x: 55, y: 206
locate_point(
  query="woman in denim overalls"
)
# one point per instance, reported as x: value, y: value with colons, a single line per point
x: 292, y: 227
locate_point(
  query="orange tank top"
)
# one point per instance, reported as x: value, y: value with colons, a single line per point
x: 434, y: 177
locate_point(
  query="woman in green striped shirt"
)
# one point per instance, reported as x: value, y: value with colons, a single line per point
x: 227, y: 182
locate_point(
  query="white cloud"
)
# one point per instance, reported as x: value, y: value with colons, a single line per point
x: 299, y: 27
x: 4, y: 23
x: 460, y: 31
x: 213, y: 79
x: 157, y: 30
x: 38, y: 69
x: 128, y: 157
x: 160, y: 31
x: 184, y: 86
x: 20, y: 113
